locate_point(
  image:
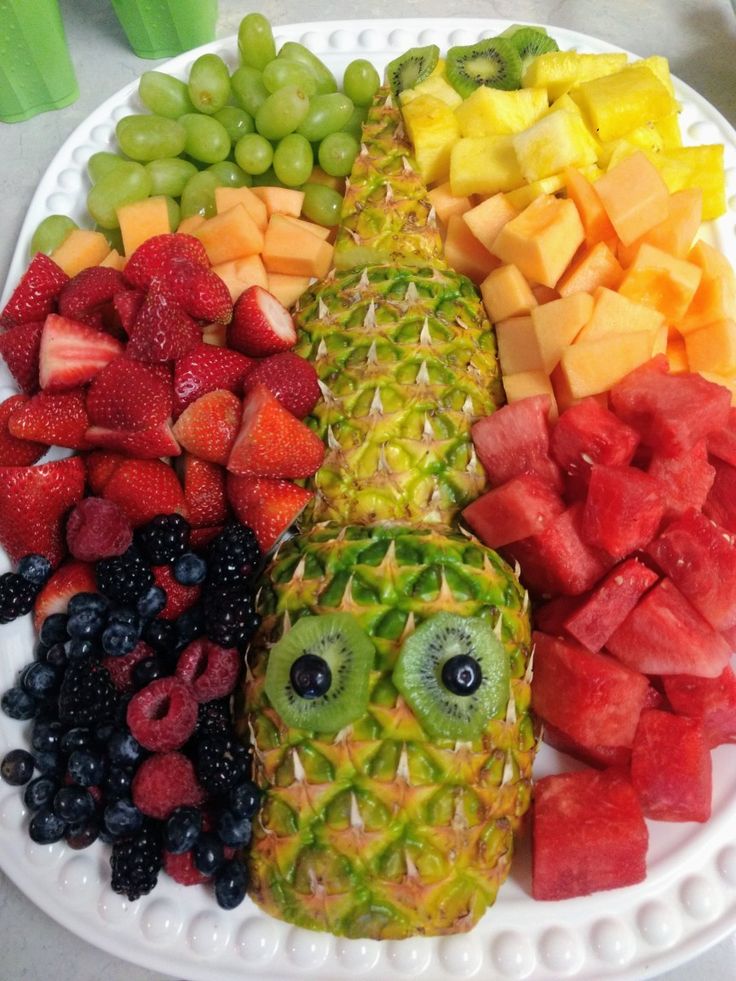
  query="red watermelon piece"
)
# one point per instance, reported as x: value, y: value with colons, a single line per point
x: 722, y: 442
x: 523, y: 506
x: 515, y: 440
x: 720, y: 505
x: 623, y: 509
x: 685, y: 479
x: 600, y: 757
x: 712, y: 700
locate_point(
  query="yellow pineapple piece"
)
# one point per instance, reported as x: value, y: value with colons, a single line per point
x: 696, y: 166
x: 525, y: 194
x: 668, y: 128
x: 558, y: 140
x: 490, y: 112
x: 433, y: 130
x: 559, y: 71
x: 619, y: 103
x: 435, y: 85
x: 484, y: 165
x: 645, y: 137
x: 661, y: 68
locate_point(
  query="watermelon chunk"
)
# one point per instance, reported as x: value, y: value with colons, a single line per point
x: 685, y: 479
x: 712, y: 700
x: 700, y: 558
x: 720, y: 504
x: 722, y: 442
x: 523, y: 506
x: 515, y: 440
x: 671, y: 413
x: 611, y: 601
x: 588, y: 833
x: 672, y: 786
x: 591, y: 697
x: 597, y: 756
x: 623, y: 509
x: 550, y: 617
x: 664, y: 634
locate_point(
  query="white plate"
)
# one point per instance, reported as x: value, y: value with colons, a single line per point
x: 688, y: 900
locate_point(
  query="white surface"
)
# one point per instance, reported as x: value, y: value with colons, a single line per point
x: 682, y: 906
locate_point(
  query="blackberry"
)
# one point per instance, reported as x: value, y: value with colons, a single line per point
x: 220, y: 762
x: 230, y: 617
x: 159, y: 634
x: 87, y: 694
x: 214, y: 718
x: 123, y: 578
x: 136, y: 862
x: 164, y: 538
x: 16, y: 596
x: 234, y: 558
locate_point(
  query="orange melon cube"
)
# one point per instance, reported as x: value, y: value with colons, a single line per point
x: 711, y: 260
x: 287, y: 289
x: 677, y: 355
x: 541, y: 240
x: 713, y: 348
x: 319, y: 176
x: 228, y: 197
x: 189, y: 225
x: 464, y: 252
x: 582, y: 193
x: 523, y: 384
x: 596, y: 266
x: 280, y: 200
x: 506, y: 294
x: 634, y: 196
x: 487, y: 219
x: 230, y: 235
x: 544, y: 294
x: 239, y: 274
x: 321, y: 231
x: 715, y: 299
x: 293, y: 250
x: 661, y: 340
x: 80, y: 250
x: 616, y: 314
x: 676, y: 233
x: 113, y: 260
x: 446, y: 204
x: 557, y: 324
x: 517, y: 346
x: 662, y: 281
x: 141, y: 220
x: 590, y: 367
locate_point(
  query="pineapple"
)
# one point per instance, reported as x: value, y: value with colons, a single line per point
x: 380, y: 829
x: 493, y: 112
x: 558, y: 140
x: 433, y: 129
x: 560, y: 71
x: 616, y: 104
x: 484, y: 165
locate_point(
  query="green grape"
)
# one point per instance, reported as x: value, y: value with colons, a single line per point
x: 206, y: 139
x: 321, y: 204
x: 267, y: 179
x: 354, y: 125
x: 125, y: 184
x: 247, y: 85
x: 326, y: 114
x: 169, y: 175
x: 293, y: 51
x: 336, y: 154
x: 198, y: 197
x: 229, y: 174
x: 51, y: 233
x: 114, y: 238
x: 174, y: 210
x: 293, y: 160
x: 255, y: 41
x: 236, y: 121
x: 146, y: 138
x: 281, y: 72
x: 253, y: 153
x: 102, y: 163
x: 209, y: 84
x: 361, y: 81
x: 282, y: 112
x: 164, y: 95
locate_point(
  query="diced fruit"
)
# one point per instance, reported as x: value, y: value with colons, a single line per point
x: 162, y: 330
x: 614, y: 314
x: 239, y: 274
x: 711, y: 700
x: 143, y: 489
x: 294, y: 251
x: 279, y: 200
x: 204, y: 492
x: 685, y: 479
x: 291, y: 378
x: 70, y: 578
x: 260, y: 325
x: 58, y: 419
x: 80, y: 250
x: 491, y: 112
x: 207, y: 427
x: 230, y: 235
x: 635, y: 197
x: 129, y: 395
x: 267, y: 506
x: 696, y: 166
x: 521, y: 507
x: 515, y: 440
x: 588, y: 433
x: 72, y: 353
x: 287, y: 289
x: 518, y: 349
x: 713, y: 348
x: 146, y: 444
x: 526, y: 384
x: 446, y: 204
x: 676, y: 233
x: 557, y: 323
x: 19, y: 349
x: 206, y: 368
x: 618, y: 103
x: 592, y: 367
x: 33, y: 298
x: 623, y: 509
x: 484, y: 165
x: 141, y: 220
x: 722, y: 442
x: 464, y: 253
x: 433, y: 130
x: 558, y: 140
x: 662, y: 281
x: 228, y: 197
x: 559, y: 71
x: 506, y: 293
x: 596, y: 223
x: 600, y: 757
x: 199, y: 292
x: 16, y: 452
x: 100, y: 467
x: 595, y: 268
x: 486, y: 219
x: 97, y: 529
x: 153, y: 259
x: 720, y: 505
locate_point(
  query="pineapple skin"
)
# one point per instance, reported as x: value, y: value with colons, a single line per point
x: 379, y: 831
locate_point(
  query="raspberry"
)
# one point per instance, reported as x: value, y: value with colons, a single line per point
x: 97, y: 529
x: 162, y: 716
x: 210, y: 670
x: 182, y: 869
x: 164, y: 782
x: 121, y: 668
x: 178, y: 597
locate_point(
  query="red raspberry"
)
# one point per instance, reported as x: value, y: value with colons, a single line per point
x: 178, y: 598
x: 210, y: 670
x: 163, y: 782
x: 97, y: 529
x: 182, y: 869
x: 162, y: 716
x: 121, y: 668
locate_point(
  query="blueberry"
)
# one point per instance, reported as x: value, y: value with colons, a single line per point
x: 231, y: 883
x: 56, y: 655
x: 35, y: 568
x: 76, y: 738
x: 151, y: 602
x: 50, y: 762
x: 159, y: 634
x: 93, y: 602
x: 245, y: 799
x: 86, y: 768
x: 119, y: 638
x: 85, y: 623
x: 18, y: 704
x: 234, y: 829
x: 73, y: 804
x: 189, y: 569
x: 40, y: 792
x: 124, y: 614
x: 17, y: 767
x: 46, y: 735
x: 103, y: 732
x: 117, y: 783
x: 40, y: 679
x: 53, y: 629
x: 182, y: 829
x: 121, y: 818
x: 147, y: 671
x: 80, y: 648
x: 123, y: 749
x: 46, y: 827
x: 81, y: 834
x: 208, y: 853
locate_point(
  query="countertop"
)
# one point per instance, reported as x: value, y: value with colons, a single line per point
x: 698, y: 37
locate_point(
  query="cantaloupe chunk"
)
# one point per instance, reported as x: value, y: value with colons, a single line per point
x: 557, y: 324
x: 677, y: 355
x: 230, y: 235
x: 616, y: 314
x: 228, y: 197
x: 506, y: 294
x: 634, y: 196
x: 590, y: 367
x: 188, y: 225
x: 318, y: 176
x: 287, y: 289
x: 487, y: 219
x: 113, y: 260
x: 239, y: 274
x: 541, y: 240
x: 517, y: 346
x: 280, y: 200
x: 715, y: 299
x: 662, y: 281
x: 465, y: 253
x: 711, y: 260
x: 713, y: 348
x: 141, y: 220
x: 293, y: 250
x: 677, y: 232
x: 321, y: 231
x: 597, y: 224
x: 80, y: 250
x: 446, y: 204
x: 596, y: 266
x: 661, y: 340
x: 544, y: 294
x: 523, y: 384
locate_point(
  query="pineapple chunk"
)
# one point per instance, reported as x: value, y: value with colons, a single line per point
x: 484, y: 165
x: 559, y: 71
x: 554, y: 142
x: 433, y: 130
x: 437, y: 86
x: 525, y: 194
x: 661, y: 68
x: 490, y: 112
x: 695, y: 166
x: 669, y: 129
x: 619, y: 103
x: 645, y: 137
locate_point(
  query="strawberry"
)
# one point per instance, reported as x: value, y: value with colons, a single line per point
x: 34, y: 502
x: 129, y: 395
x: 261, y: 325
x: 290, y: 378
x: 145, y: 488
x: 272, y: 442
x: 100, y: 467
x: 86, y: 294
x: 70, y: 578
x: 35, y: 295
x: 121, y: 666
x: 145, y: 444
x: 268, y: 507
x: 16, y: 452
x: 72, y: 353
x: 57, y: 419
x: 201, y: 537
x: 178, y: 598
x: 204, y: 491
x: 207, y: 428
x: 153, y: 258
x: 206, y: 368
x: 197, y: 290
x: 162, y: 330
x: 126, y: 305
x: 19, y: 348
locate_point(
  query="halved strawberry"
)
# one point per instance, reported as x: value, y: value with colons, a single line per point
x: 19, y: 349
x: 100, y: 467
x: 34, y: 502
x: 153, y: 258
x: 145, y: 488
x: 290, y: 378
x: 178, y: 598
x: 204, y: 491
x: 83, y: 297
x: 57, y: 419
x: 261, y: 325
x: 144, y: 444
x: 198, y: 291
x: 272, y: 442
x: 201, y: 537
x: 126, y: 305
x: 162, y: 330
x: 268, y: 507
x: 72, y: 353
x: 129, y: 395
x: 207, y: 428
x: 16, y: 452
x: 35, y: 295
x: 206, y: 368
x: 70, y: 578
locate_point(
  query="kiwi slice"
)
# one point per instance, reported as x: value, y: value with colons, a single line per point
x: 529, y: 42
x: 411, y: 68
x: 453, y: 672
x: 318, y: 674
x: 494, y: 62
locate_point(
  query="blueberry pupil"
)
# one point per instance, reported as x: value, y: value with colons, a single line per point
x: 461, y: 674
x: 310, y: 676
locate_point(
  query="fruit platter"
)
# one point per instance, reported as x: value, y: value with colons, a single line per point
x: 367, y: 482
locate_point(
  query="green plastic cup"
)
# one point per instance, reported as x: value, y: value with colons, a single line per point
x: 36, y: 72
x: 163, y: 28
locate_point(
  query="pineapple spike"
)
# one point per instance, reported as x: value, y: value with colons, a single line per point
x: 356, y: 821
x: 402, y: 770
x: 298, y: 573
x: 372, y: 356
x: 300, y: 774
x: 369, y: 321
x: 326, y: 393
x: 322, y: 309
x: 408, y: 627
x: 321, y: 349
x: 364, y: 282
x: 376, y: 408
x: 423, y: 374
x: 383, y: 466
x: 498, y: 627
x: 445, y: 595
x: 508, y: 770
x: 459, y: 819
x: 411, y: 870
x: 332, y: 442
x: 468, y: 406
x: 525, y: 602
x: 425, y: 336
x: 388, y: 561
x: 412, y: 293
x: 286, y: 624
x: 427, y: 431
x: 347, y: 603
x: 511, y: 711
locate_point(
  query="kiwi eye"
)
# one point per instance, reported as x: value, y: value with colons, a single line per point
x: 462, y: 675
x: 310, y: 676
